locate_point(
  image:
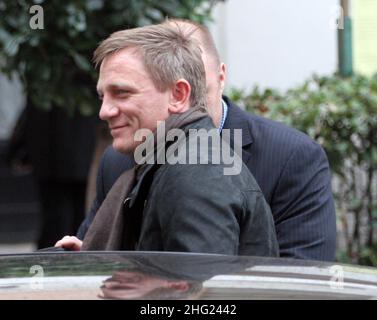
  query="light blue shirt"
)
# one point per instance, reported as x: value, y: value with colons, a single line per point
x: 225, y: 113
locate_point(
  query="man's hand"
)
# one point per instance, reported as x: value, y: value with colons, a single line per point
x: 69, y: 243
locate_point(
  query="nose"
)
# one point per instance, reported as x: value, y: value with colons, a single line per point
x: 108, y: 110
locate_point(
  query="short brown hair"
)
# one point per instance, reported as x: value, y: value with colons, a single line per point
x: 167, y: 53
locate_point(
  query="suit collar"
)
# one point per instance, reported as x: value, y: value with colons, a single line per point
x: 236, y: 120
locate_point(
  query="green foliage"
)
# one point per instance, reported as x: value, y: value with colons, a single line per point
x: 55, y: 62
x: 341, y: 115
x: 368, y: 255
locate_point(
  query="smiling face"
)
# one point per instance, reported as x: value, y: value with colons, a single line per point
x: 130, y: 100
x: 130, y: 285
x: 136, y: 285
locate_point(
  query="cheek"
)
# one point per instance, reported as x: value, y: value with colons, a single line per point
x: 133, y: 115
x: 157, y: 111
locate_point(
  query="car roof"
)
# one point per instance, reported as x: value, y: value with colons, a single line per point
x: 83, y: 275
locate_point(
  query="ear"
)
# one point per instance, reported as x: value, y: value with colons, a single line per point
x: 180, y: 97
x: 222, y: 76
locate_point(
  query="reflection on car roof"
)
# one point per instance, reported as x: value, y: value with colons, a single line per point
x: 143, y: 275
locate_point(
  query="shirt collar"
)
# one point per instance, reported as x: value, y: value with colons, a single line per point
x: 224, y: 114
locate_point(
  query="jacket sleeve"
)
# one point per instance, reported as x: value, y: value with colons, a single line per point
x: 303, y: 206
x: 258, y: 235
x: 202, y: 211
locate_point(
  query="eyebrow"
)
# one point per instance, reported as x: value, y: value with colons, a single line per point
x: 115, y: 86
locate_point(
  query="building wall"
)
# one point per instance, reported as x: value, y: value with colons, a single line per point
x: 276, y: 43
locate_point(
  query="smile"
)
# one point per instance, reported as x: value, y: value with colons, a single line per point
x: 116, y: 129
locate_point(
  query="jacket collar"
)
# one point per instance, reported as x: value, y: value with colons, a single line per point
x: 235, y: 120
x: 145, y: 172
x: 143, y: 182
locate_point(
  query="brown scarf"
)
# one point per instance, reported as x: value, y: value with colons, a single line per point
x: 106, y: 231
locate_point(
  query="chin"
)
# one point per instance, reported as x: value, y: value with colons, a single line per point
x: 122, y: 147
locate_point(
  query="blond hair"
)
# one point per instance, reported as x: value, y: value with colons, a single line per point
x: 168, y: 55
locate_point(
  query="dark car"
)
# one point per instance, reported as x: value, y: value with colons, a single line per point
x: 163, y: 275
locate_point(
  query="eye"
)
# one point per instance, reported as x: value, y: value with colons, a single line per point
x: 120, y: 92
x: 100, y: 96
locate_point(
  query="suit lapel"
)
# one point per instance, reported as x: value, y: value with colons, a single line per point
x: 236, y: 120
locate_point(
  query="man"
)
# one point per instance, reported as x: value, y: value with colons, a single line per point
x: 153, y: 74
x: 291, y: 170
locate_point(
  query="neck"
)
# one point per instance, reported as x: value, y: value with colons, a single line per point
x: 216, y: 114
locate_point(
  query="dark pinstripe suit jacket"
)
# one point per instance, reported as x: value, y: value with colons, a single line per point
x: 290, y: 168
